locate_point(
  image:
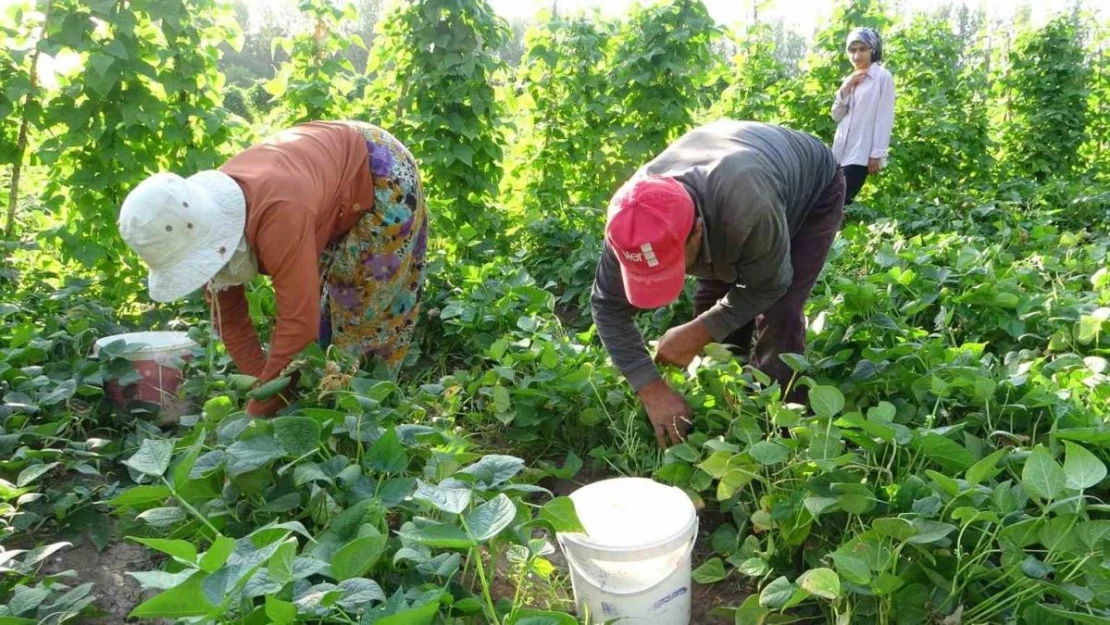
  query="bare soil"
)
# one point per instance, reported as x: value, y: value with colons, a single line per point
x: 116, y: 592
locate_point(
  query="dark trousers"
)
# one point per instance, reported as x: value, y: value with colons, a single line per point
x: 781, y: 329
x: 854, y: 177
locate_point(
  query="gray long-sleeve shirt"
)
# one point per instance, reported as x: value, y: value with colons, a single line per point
x: 753, y: 185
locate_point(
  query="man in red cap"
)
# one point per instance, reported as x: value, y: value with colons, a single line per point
x: 749, y: 209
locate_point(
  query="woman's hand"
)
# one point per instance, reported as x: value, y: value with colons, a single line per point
x: 874, y: 165
x: 852, y: 82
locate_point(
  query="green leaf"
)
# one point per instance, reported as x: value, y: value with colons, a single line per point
x: 767, y: 452
x: 776, y: 594
x: 422, y: 615
x: 297, y: 435
x: 494, y: 469
x: 946, y: 453
x: 33, y: 472
x: 153, y: 457
x: 185, y: 600
x: 711, y: 572
x: 733, y: 481
x: 488, y: 519
x: 1082, y: 469
x: 540, y: 617
x: 358, y: 556
x: 280, y: 612
x: 852, y: 568
x: 985, y: 469
x: 141, y: 495
x: 1042, y: 476
x: 751, y: 612
x: 162, y: 517
x: 25, y: 600
x: 218, y: 408
x: 821, y: 582
x: 179, y: 549
x: 359, y: 592
x: 217, y: 554
x: 930, y: 531
x: 253, y: 453
x: 450, y: 496
x: 826, y: 401
x: 438, y: 536
x: 387, y: 454
x: 895, y: 527
x: 562, y: 516
x: 1077, y: 617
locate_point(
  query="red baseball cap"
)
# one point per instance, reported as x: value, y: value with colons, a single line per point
x: 648, y: 222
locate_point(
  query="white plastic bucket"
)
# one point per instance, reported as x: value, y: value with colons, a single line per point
x: 156, y: 356
x: 632, y: 567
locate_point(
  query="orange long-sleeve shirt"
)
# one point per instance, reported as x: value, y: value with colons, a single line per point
x: 304, y: 188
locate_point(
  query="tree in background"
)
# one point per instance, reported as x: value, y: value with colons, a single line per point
x: 1096, y: 152
x: 564, y: 151
x: 145, y: 98
x: 660, y: 70
x: 318, y: 81
x: 936, y: 119
x: 434, y: 63
x: 1046, y: 108
x: 756, y: 77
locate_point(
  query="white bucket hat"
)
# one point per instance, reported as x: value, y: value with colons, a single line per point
x: 185, y: 230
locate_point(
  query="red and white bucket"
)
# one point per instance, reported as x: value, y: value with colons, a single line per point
x: 157, y: 357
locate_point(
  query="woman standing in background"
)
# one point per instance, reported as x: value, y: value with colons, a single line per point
x: 864, y: 112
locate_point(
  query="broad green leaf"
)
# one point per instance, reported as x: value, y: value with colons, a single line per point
x: 488, y: 519
x: 751, y: 612
x: 34, y: 472
x: 160, y: 580
x: 1082, y: 469
x: 26, y: 600
x: 1077, y: 617
x: 494, y: 469
x: 733, y: 481
x: 985, y: 468
x: 141, y: 495
x: 560, y: 513
x: 152, y: 458
x: 179, y: 549
x: 253, y: 453
x: 280, y: 612
x: 387, y: 454
x: 217, y: 554
x: 852, y: 568
x: 945, y: 452
x: 357, y: 557
x: 711, y: 572
x: 1042, y: 476
x: 185, y: 600
x: 895, y: 527
x: 422, y: 615
x: 438, y: 536
x: 776, y: 594
x: 930, y: 531
x: 280, y: 565
x: 359, y: 592
x: 767, y: 452
x: 540, y: 617
x: 297, y: 435
x: 821, y: 582
x: 162, y: 517
x: 448, y: 497
x: 826, y: 401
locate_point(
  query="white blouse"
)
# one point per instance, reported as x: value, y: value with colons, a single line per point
x: 864, y: 119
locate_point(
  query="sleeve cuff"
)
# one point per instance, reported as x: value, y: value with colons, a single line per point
x: 879, y: 153
x: 642, y: 375
x: 719, y: 323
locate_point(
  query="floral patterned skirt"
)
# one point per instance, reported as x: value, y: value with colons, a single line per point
x: 373, y: 277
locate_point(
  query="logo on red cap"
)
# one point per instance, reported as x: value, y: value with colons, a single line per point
x: 648, y: 222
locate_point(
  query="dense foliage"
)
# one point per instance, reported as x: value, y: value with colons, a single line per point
x: 951, y: 467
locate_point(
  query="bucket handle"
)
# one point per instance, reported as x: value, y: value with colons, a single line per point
x: 573, y: 563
